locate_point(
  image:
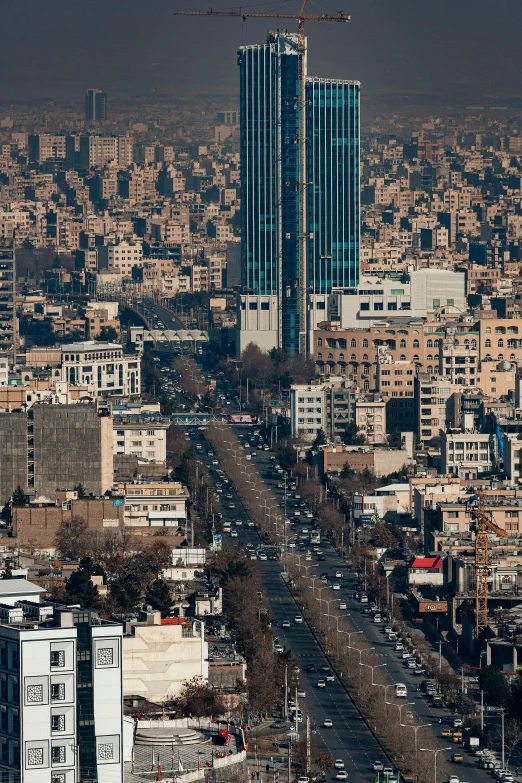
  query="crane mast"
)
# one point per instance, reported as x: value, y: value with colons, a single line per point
x: 301, y: 184
x: 484, y: 526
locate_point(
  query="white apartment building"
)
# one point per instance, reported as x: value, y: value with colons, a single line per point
x: 102, y: 364
x: 143, y: 438
x: 466, y: 453
x: 154, y: 504
x: 120, y: 258
x: 61, y: 692
x: 308, y: 410
x: 4, y: 371
x: 370, y: 419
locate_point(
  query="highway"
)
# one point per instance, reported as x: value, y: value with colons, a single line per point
x: 349, y: 738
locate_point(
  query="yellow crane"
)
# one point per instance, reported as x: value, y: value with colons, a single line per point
x: 484, y: 526
x: 301, y: 18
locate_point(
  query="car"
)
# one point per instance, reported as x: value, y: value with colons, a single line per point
x: 338, y: 574
x: 342, y: 605
x: 330, y: 678
x: 233, y: 534
x: 278, y: 724
x: 286, y: 624
x: 279, y: 648
x: 363, y: 599
x: 377, y: 618
x: 453, y: 779
x: 303, y: 779
x: 387, y: 771
x: 231, y: 505
x: 457, y: 723
x: 392, y: 779
x: 338, y: 764
x: 336, y: 586
x: 378, y: 766
x: 298, y: 619
x: 325, y: 667
x: 446, y: 733
x: 321, y: 684
x: 327, y: 723
x: 309, y: 667
x: 399, y: 646
x: 457, y: 758
x: 301, y: 693
x: 405, y: 654
x: 341, y: 775
x: 418, y: 670
x: 387, y: 629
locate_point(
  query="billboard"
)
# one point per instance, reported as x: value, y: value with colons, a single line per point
x: 242, y: 418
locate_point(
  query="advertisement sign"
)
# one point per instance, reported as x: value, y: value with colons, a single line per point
x: 217, y: 541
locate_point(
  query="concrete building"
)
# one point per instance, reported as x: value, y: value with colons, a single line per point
x: 7, y: 296
x: 154, y: 504
x: 426, y: 571
x: 466, y: 453
x: 52, y: 447
x: 160, y: 655
x: 307, y: 410
x: 95, y: 106
x: 387, y: 505
x: 61, y: 708
x: 121, y: 258
x: 359, y: 458
x: 370, y: 419
x: 144, y: 438
x: 434, y: 405
x: 257, y: 322
x: 104, y: 364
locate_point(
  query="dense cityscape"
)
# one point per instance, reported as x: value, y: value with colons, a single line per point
x: 261, y: 431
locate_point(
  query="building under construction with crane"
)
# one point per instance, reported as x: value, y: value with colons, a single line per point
x: 299, y: 186
x: 300, y: 192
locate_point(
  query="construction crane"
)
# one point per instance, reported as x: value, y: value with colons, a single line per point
x: 301, y: 18
x: 484, y: 526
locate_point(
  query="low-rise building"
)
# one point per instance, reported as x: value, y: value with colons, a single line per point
x: 145, y: 438
x: 154, y: 504
x: 466, y: 453
x: 160, y: 655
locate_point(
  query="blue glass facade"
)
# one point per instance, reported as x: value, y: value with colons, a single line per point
x: 334, y: 184
x: 270, y: 179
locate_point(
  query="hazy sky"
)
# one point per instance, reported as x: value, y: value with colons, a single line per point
x: 57, y: 48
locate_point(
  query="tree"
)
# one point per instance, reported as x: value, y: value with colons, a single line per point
x: 494, y: 685
x: 320, y: 440
x: 352, y: 436
x: 18, y: 497
x: 80, y: 589
x: 70, y: 538
x: 325, y: 761
x: 125, y: 594
x: 80, y: 489
x: 158, y: 596
x: 196, y: 698
x: 108, y: 334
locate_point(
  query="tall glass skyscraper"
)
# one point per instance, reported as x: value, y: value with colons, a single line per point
x: 270, y: 180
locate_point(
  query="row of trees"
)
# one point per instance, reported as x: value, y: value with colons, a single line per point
x: 130, y: 566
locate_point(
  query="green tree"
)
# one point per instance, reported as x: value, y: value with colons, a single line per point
x: 158, y: 596
x: 287, y: 457
x: 352, y: 436
x: 494, y: 685
x: 80, y: 489
x: 79, y: 589
x: 320, y: 440
x: 125, y: 594
x: 18, y: 496
x: 108, y: 334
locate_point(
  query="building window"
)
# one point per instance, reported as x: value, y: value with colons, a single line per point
x: 353, y: 344
x: 58, y: 754
x: 58, y: 691
x: 104, y: 656
x: 34, y: 694
x: 58, y: 779
x: 57, y: 722
x: 106, y: 751
x: 35, y: 757
x: 365, y: 344
x: 487, y: 344
x: 319, y: 342
x: 57, y: 659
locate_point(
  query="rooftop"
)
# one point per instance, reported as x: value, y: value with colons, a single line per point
x: 91, y: 345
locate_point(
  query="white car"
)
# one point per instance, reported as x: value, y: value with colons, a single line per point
x: 336, y: 586
x: 298, y: 619
x: 378, y: 766
x: 342, y: 775
x: 399, y: 646
x: 330, y: 678
x: 342, y: 605
x: 453, y: 779
x: 279, y: 648
x: 301, y: 693
x: 233, y: 534
x: 286, y: 624
x: 321, y: 684
x: 327, y: 723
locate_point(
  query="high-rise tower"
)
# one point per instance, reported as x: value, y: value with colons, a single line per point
x: 271, y: 180
x: 95, y: 106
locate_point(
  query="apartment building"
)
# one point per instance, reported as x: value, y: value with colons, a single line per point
x: 144, y: 438
x: 370, y: 419
x: 500, y: 338
x: 434, y: 406
x: 308, y: 410
x: 103, y: 364
x: 122, y: 257
x: 61, y: 709
x: 154, y: 504
x: 466, y: 453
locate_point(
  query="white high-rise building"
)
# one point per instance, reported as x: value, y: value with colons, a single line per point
x: 61, y: 713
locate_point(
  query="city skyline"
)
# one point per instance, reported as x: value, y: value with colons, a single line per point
x: 415, y: 48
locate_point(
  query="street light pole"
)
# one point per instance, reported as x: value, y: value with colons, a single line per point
x: 435, y: 752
